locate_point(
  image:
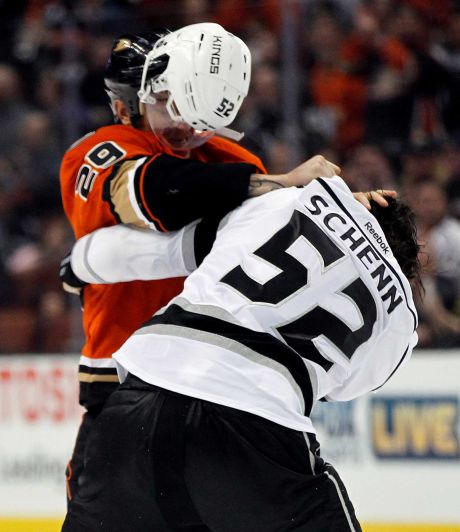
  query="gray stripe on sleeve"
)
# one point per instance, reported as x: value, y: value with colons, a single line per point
x: 86, y: 261
x: 188, y: 247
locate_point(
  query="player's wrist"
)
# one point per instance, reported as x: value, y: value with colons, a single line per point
x: 70, y: 282
x: 261, y: 184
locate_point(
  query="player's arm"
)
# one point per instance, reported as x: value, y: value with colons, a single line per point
x: 316, y: 166
x: 166, y: 193
x: 124, y: 253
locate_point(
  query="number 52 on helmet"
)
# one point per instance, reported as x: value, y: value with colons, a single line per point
x: 205, y: 71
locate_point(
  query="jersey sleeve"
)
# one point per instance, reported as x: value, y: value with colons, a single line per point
x: 121, y: 175
x: 124, y: 253
x: 121, y: 253
x: 166, y: 193
x: 380, y: 364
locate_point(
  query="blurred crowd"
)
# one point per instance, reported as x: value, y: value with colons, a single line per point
x: 374, y: 85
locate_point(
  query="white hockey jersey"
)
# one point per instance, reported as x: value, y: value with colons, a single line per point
x: 300, y: 299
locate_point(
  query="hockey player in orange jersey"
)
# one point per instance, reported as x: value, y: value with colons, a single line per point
x: 165, y: 163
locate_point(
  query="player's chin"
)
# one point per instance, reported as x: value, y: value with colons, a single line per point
x: 180, y: 139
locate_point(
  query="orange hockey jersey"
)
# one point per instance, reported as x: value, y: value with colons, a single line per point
x: 96, y: 193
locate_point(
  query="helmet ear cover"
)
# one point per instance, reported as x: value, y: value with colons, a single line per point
x: 207, y: 75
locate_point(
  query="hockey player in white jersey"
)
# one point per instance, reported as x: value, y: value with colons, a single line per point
x: 301, y: 299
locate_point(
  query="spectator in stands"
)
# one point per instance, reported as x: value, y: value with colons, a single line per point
x: 422, y: 160
x: 92, y: 93
x: 29, y: 267
x: 260, y: 117
x: 340, y: 94
x: 7, y: 203
x: 13, y: 108
x: 440, y: 235
x: 355, y: 52
x: 452, y: 162
x: 37, y: 155
x: 263, y: 43
x: 238, y: 15
x: 369, y: 168
x: 372, y: 54
x: 446, y: 51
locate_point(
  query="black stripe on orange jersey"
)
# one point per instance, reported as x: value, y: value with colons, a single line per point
x: 82, y: 368
x: 93, y: 395
x: 144, y: 205
x: 173, y: 192
x: 96, y: 385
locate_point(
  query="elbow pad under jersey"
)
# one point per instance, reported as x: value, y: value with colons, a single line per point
x: 172, y: 192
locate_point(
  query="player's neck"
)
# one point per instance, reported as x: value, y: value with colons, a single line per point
x: 182, y: 154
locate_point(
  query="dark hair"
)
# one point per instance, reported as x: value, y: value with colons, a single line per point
x: 398, y: 223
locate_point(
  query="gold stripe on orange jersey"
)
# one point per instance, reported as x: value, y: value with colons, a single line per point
x: 120, y: 199
x: 86, y: 377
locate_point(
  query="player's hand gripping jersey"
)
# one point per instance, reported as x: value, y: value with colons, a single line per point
x: 299, y: 299
x: 119, y: 174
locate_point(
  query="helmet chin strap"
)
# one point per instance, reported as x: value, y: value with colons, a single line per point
x: 229, y: 134
x: 206, y: 82
x: 225, y: 132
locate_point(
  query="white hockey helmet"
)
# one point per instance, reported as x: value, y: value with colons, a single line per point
x: 207, y: 76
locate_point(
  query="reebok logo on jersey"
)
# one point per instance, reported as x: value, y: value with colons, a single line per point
x: 364, y: 251
x: 376, y: 237
x: 215, y: 55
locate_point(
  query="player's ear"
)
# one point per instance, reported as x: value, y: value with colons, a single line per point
x: 122, y: 112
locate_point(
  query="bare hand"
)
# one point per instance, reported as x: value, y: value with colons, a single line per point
x: 377, y: 195
x: 317, y: 166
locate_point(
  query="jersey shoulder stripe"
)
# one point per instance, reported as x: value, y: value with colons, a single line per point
x: 140, y: 193
x: 339, y: 204
x: 80, y: 140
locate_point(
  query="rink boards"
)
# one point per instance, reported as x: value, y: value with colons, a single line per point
x: 397, y: 449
